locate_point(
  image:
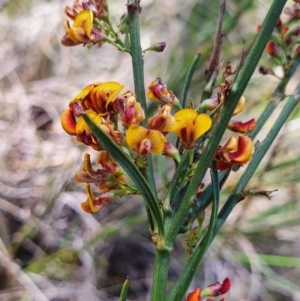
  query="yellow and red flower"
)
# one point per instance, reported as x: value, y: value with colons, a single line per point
x: 158, y: 91
x: 94, y: 204
x: 130, y: 111
x: 212, y: 290
x: 163, y: 121
x: 83, y: 31
x: 96, y: 96
x: 234, y: 152
x: 145, y: 141
x: 189, y: 126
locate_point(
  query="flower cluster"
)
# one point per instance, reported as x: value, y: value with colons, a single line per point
x: 236, y: 150
x: 213, y: 290
x: 122, y: 118
x: 84, y: 14
x: 284, y: 45
x: 90, y: 25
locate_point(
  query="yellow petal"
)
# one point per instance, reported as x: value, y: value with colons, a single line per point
x: 157, y: 140
x: 91, y: 197
x: 185, y: 115
x: 84, y: 92
x: 81, y: 125
x: 85, y: 20
x: 151, y: 96
x: 134, y: 135
x: 86, y: 207
x: 201, y: 125
x: 240, y: 106
x: 231, y: 145
x: 78, y: 35
x: 111, y: 89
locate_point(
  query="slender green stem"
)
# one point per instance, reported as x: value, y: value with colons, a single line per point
x: 138, y: 72
x: 183, y: 282
x: 136, y: 53
x: 237, y: 90
x: 160, y: 273
x: 260, y: 152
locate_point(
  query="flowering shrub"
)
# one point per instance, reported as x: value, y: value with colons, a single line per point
x: 119, y: 127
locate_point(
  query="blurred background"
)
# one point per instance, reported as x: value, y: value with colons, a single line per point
x: 50, y: 250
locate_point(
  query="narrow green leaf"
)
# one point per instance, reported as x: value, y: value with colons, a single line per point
x: 123, y: 295
x: 130, y: 168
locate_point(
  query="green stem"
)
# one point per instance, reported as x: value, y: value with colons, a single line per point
x: 216, y: 135
x: 138, y: 72
x: 136, y: 53
x: 160, y: 273
x: 183, y: 282
x: 260, y: 152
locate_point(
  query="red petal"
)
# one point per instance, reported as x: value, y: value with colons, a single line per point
x: 68, y: 122
x: 242, y: 127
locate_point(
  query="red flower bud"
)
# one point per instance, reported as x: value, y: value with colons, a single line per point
x: 217, y: 288
x: 157, y: 47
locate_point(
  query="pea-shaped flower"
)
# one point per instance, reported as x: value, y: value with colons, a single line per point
x: 189, y: 126
x: 145, y: 141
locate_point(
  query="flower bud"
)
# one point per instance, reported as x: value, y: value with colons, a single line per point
x: 264, y: 70
x: 157, y: 47
x: 217, y: 288
x: 171, y: 151
x: 210, y: 103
